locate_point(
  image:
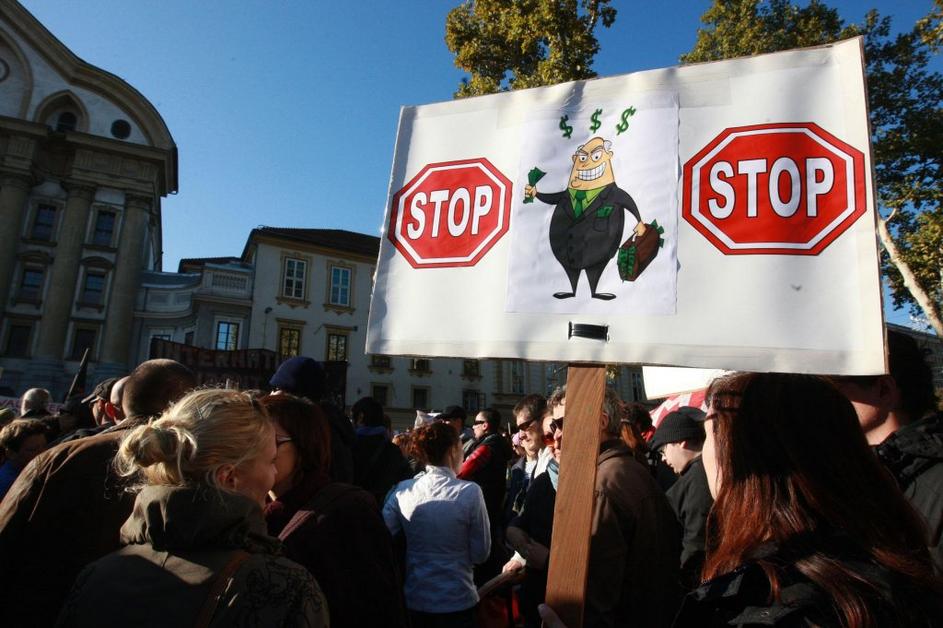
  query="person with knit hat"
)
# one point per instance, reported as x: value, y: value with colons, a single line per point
x: 679, y: 440
x: 305, y: 377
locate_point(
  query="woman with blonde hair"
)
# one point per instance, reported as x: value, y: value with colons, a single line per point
x: 196, y: 549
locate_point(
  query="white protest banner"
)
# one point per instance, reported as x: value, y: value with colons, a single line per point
x: 718, y: 215
x: 664, y: 381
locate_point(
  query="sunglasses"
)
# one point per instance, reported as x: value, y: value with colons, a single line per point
x: 481, y: 422
x: 520, y: 427
x: 556, y: 424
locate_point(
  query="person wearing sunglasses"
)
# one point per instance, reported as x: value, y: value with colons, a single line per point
x: 528, y: 415
x: 486, y: 465
x: 636, y: 540
x: 529, y: 532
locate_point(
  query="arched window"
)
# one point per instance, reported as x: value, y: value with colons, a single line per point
x: 67, y: 121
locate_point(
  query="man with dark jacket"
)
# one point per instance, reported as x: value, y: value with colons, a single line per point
x: 66, y: 508
x: 896, y: 412
x: 378, y: 463
x: 679, y: 440
x: 305, y: 377
x: 487, y: 466
x: 635, y: 544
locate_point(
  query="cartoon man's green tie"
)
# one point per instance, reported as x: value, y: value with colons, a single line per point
x: 580, y: 196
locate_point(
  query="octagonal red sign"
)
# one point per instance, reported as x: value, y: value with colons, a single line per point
x: 783, y: 189
x: 450, y: 214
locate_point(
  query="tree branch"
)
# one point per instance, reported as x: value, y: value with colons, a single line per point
x: 929, y: 307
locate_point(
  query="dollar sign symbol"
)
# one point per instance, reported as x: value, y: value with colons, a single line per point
x: 566, y: 128
x: 595, y: 118
x: 622, y: 126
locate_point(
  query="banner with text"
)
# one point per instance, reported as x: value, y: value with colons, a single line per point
x: 719, y: 215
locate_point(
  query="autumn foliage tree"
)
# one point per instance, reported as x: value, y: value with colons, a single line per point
x: 904, y: 98
x: 514, y: 44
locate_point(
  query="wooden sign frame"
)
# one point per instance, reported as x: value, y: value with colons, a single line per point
x: 573, y: 513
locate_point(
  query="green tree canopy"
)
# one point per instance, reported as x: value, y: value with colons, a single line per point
x: 513, y: 44
x: 904, y: 98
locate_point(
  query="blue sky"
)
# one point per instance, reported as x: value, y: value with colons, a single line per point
x: 285, y: 111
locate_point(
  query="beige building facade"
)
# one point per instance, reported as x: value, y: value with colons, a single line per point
x: 85, y: 160
x: 307, y: 292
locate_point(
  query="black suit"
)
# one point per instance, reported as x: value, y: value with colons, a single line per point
x: 590, y: 241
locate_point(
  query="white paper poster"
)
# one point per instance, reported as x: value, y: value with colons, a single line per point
x: 718, y: 215
x: 621, y: 158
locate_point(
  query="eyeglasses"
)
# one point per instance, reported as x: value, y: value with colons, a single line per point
x: 556, y: 424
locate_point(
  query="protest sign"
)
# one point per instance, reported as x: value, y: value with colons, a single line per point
x: 718, y: 215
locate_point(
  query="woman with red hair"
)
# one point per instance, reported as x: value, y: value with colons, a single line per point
x: 807, y: 529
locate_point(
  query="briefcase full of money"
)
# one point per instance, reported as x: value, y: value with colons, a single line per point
x: 637, y: 252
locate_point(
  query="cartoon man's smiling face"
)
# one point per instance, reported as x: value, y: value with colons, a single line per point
x: 592, y: 166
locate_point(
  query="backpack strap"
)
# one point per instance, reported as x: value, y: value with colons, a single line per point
x: 218, y: 587
x: 327, y: 495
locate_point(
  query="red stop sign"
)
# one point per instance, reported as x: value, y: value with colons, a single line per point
x: 450, y: 214
x: 784, y: 189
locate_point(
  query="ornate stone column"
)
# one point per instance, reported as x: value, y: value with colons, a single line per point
x: 13, y: 192
x: 124, y: 284
x: 60, y: 294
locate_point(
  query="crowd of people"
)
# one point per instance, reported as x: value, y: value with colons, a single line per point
x: 794, y: 500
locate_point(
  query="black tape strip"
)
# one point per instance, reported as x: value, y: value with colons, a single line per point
x: 585, y: 330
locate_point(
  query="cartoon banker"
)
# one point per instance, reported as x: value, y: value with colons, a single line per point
x: 587, y: 222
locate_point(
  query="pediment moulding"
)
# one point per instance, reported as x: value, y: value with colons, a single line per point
x: 48, y: 85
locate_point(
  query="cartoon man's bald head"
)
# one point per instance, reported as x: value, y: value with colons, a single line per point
x: 592, y: 165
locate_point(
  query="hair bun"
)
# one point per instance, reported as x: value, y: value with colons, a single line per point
x: 152, y: 444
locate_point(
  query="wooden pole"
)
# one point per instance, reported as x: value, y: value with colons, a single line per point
x: 573, y: 513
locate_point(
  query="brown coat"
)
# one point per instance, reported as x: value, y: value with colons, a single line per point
x: 64, y: 511
x: 635, y: 546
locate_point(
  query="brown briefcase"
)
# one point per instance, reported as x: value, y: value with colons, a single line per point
x: 637, y: 253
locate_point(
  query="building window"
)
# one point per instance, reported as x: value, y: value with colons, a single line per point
x: 93, y: 288
x: 638, y: 393
x: 420, y: 398
x: 554, y: 376
x: 471, y: 368
x: 44, y: 221
x: 381, y: 393
x: 381, y: 361
x: 420, y: 365
x: 517, y: 377
x: 104, y: 228
x: 294, y: 284
x: 337, y: 347
x: 289, y: 342
x: 340, y: 286
x: 227, y: 336
x: 121, y: 129
x: 31, y: 285
x: 17, y: 345
x: 82, y: 340
x: 67, y: 121
x: 188, y: 338
x: 473, y: 401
